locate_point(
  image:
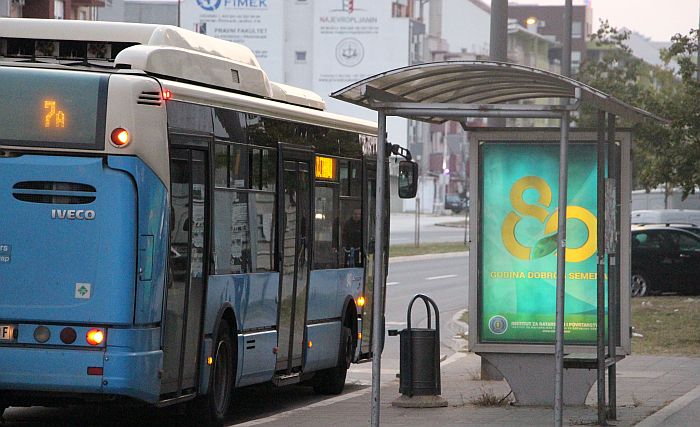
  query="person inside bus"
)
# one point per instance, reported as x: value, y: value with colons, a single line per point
x: 352, y: 239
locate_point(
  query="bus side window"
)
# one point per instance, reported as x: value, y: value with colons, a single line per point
x: 351, y: 213
x: 351, y: 232
x: 263, y: 240
x: 189, y: 117
x: 325, y: 227
x: 232, y: 232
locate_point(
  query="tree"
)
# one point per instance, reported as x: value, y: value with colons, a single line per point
x: 664, y: 154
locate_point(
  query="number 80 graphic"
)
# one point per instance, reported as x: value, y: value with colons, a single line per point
x: 547, y: 244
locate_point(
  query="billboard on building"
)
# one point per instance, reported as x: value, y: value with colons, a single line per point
x: 257, y: 24
x: 519, y: 243
x: 353, y: 40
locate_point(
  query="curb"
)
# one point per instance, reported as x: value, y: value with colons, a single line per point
x: 658, y: 418
x: 427, y: 256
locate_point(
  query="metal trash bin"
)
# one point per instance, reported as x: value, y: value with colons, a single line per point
x: 420, y: 354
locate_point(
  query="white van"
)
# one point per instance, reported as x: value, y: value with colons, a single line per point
x: 666, y: 216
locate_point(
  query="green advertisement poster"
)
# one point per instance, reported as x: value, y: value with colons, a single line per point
x: 519, y: 243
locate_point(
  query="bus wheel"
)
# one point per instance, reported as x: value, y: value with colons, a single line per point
x: 211, y: 408
x: 332, y: 381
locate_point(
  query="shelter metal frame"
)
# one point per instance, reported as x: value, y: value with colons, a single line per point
x: 456, y: 90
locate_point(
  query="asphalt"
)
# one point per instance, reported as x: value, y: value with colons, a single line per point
x: 652, y: 391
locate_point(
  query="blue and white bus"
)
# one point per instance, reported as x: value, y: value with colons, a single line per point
x: 174, y: 224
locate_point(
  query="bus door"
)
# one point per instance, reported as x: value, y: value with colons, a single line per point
x: 368, y: 199
x: 186, y: 268
x: 295, y: 243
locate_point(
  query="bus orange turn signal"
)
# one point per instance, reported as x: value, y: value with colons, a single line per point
x: 361, y: 301
x: 95, y: 336
x: 120, y: 137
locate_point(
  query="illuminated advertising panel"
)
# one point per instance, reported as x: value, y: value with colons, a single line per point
x: 518, y: 262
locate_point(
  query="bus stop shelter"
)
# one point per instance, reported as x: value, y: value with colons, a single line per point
x: 459, y: 90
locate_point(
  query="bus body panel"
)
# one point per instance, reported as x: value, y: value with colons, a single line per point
x: 53, y: 370
x: 328, y: 290
x: 256, y: 357
x: 69, y: 262
x: 153, y: 227
x: 253, y: 298
x: 323, y: 352
x: 132, y: 363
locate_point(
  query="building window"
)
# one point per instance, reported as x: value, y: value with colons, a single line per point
x: 58, y: 9
x: 576, y: 30
x: 300, y: 56
x: 575, y: 60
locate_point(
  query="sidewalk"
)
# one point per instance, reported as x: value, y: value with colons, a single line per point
x: 645, y: 385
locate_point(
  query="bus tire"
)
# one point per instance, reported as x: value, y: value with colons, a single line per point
x: 210, y: 409
x: 332, y: 381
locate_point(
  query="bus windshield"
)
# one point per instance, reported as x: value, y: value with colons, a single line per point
x: 52, y: 108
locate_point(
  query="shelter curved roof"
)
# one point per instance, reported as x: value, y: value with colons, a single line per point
x: 480, y: 84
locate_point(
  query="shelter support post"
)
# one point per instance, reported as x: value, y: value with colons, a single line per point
x: 600, y: 282
x: 613, y: 268
x: 378, y: 294
x: 561, y: 272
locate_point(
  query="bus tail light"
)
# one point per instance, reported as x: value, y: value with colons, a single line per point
x: 167, y: 94
x: 68, y: 335
x: 120, y: 137
x: 95, y: 336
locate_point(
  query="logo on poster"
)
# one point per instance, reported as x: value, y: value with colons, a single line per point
x: 346, y: 6
x: 349, y: 52
x: 498, y: 325
x: 209, y: 5
x: 548, y: 243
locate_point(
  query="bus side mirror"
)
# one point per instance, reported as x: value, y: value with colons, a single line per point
x: 408, y: 179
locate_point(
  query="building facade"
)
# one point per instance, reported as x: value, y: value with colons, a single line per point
x: 548, y: 21
x: 51, y: 9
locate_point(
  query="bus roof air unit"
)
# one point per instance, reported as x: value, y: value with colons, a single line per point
x: 164, y: 51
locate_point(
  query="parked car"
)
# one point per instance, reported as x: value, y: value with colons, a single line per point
x: 664, y: 259
x: 666, y: 216
x: 456, y: 203
x: 683, y: 226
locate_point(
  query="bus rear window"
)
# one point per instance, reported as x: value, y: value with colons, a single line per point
x: 52, y: 108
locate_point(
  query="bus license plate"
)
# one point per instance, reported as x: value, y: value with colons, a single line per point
x: 7, y: 332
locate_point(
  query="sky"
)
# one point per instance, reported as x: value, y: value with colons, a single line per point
x: 657, y: 19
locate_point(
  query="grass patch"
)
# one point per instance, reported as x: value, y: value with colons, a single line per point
x: 488, y: 399
x: 427, y: 248
x: 668, y: 325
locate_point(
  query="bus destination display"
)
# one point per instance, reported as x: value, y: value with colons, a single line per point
x: 50, y: 108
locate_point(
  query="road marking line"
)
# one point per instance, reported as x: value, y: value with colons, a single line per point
x: 447, y: 276
x: 327, y: 402
x: 392, y: 283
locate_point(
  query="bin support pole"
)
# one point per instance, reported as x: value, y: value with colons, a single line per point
x: 561, y: 271
x: 377, y: 331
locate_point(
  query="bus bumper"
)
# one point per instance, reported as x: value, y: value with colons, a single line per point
x: 127, y: 373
